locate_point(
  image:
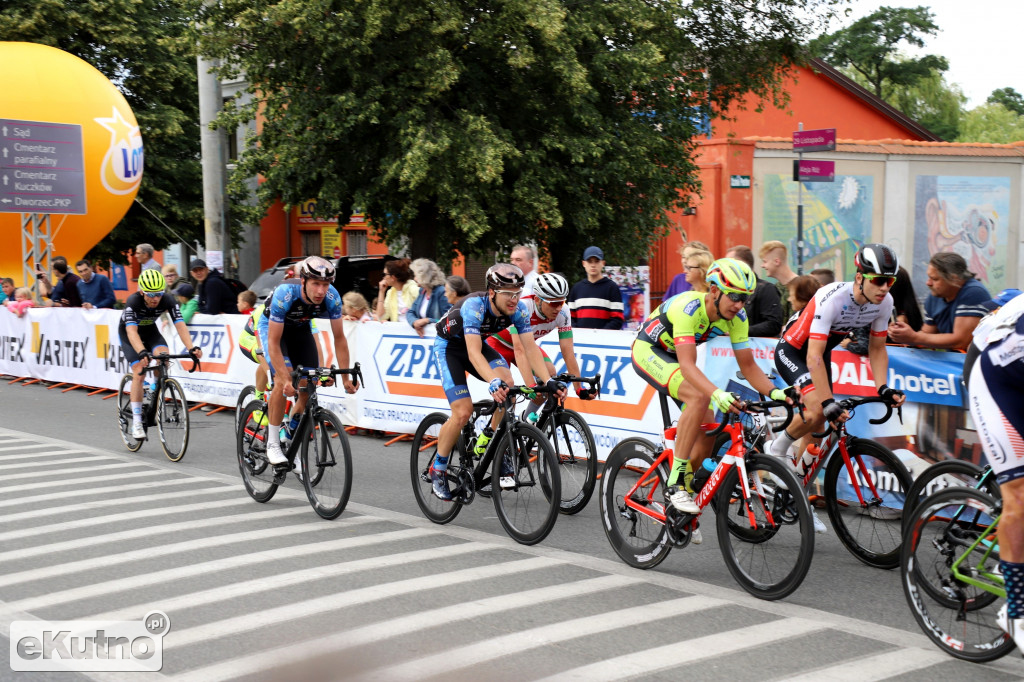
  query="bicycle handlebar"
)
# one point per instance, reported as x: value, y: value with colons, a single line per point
x: 849, y: 404
x: 196, y: 365
x: 325, y: 372
x: 594, y: 381
x: 755, y: 407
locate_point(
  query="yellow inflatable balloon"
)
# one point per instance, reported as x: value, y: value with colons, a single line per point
x: 70, y: 148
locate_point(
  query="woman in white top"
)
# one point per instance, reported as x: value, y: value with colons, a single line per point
x: 397, y: 291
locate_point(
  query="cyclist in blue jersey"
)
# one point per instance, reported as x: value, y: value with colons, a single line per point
x: 288, y: 342
x: 460, y: 350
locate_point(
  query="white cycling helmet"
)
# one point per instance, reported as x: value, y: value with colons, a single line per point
x: 551, y: 287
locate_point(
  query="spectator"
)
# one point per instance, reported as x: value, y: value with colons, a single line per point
x: 523, y: 257
x: 696, y: 270
x: 144, y: 254
x: 246, y: 302
x: 595, y: 302
x: 355, y: 307
x: 172, y: 277
x: 679, y: 283
x: 65, y: 292
x: 952, y: 310
x: 214, y: 294
x: 431, y: 303
x: 764, y: 308
x: 185, y: 295
x: 6, y: 289
x: 824, y: 275
x: 22, y: 301
x: 396, y: 291
x: 455, y: 287
x: 801, y: 291
x: 775, y: 261
x: 94, y: 288
x: 904, y: 309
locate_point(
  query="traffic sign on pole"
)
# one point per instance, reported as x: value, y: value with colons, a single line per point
x: 814, y: 171
x: 42, y: 168
x: 823, y: 140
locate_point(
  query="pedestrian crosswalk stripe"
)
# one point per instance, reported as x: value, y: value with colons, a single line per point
x: 298, y: 610
x: 251, y: 664
x: 878, y: 667
x: 36, y: 455
x: 213, y: 566
x: 42, y: 472
x: 5, y: 446
x: 70, y: 509
x: 75, y: 460
x: 689, y: 650
x: 79, y: 481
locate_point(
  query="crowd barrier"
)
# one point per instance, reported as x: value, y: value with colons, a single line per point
x: 403, y: 384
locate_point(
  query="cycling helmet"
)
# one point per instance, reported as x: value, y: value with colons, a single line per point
x: 152, y: 281
x: 316, y: 268
x: 504, y: 275
x: 550, y: 287
x: 732, y: 276
x: 877, y: 259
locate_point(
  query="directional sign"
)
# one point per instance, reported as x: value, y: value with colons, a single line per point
x: 823, y: 140
x: 814, y: 171
x: 42, y: 168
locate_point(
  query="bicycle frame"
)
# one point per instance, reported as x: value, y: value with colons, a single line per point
x: 836, y: 440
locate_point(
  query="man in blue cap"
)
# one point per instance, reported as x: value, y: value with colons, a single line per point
x: 595, y: 302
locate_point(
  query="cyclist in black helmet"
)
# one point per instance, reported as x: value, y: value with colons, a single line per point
x: 459, y: 349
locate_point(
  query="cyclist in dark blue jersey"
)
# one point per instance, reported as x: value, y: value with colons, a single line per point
x: 288, y: 342
x: 459, y: 349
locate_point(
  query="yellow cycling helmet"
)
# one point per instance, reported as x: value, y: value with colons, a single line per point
x: 152, y: 281
x: 732, y: 276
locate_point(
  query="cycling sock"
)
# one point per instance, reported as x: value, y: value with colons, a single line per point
x: 679, y: 466
x: 1013, y: 575
x: 274, y: 433
x: 440, y: 463
x: 258, y: 395
x: 137, y: 412
x: 294, y: 423
x: 781, y: 444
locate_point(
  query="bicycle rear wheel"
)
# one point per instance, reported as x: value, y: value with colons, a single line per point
x: 576, y: 452
x: 424, y: 449
x: 251, y: 439
x: 327, y: 465
x: 528, y: 510
x: 945, y: 474
x: 770, y: 556
x: 958, y: 617
x: 124, y: 414
x: 172, y: 420
x: 245, y: 396
x: 873, y: 531
x: 638, y: 539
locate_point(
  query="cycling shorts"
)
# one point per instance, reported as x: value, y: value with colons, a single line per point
x: 453, y: 361
x: 998, y: 412
x: 249, y: 344
x: 791, y: 363
x: 297, y: 345
x: 658, y: 367
x: 507, y: 354
x: 152, y: 340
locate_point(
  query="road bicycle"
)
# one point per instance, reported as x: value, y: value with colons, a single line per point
x: 950, y: 573
x: 765, y: 532
x: 325, y: 464
x: 864, y: 488
x: 528, y: 509
x: 166, y: 408
x: 573, y: 442
x: 945, y: 474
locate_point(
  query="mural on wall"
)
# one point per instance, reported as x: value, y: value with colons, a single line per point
x: 967, y: 215
x: 837, y: 219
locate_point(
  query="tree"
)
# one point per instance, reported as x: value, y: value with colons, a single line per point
x: 932, y: 102
x: 470, y: 127
x: 871, y: 44
x: 145, y: 49
x: 992, y: 123
x: 1009, y: 98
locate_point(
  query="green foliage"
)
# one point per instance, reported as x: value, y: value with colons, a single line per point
x: 1009, y: 98
x: 469, y: 127
x: 144, y: 47
x: 932, y: 102
x: 992, y: 123
x: 871, y: 44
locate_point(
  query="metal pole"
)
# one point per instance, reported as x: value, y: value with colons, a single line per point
x: 210, y: 145
x: 799, y: 214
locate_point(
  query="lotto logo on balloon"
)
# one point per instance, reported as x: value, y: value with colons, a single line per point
x: 121, y: 169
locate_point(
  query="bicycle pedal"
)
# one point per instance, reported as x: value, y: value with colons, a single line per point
x: 281, y: 472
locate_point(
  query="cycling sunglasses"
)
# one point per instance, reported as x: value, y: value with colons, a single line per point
x: 738, y: 298
x: 557, y: 302
x: 881, y: 280
x: 510, y: 294
x: 156, y: 294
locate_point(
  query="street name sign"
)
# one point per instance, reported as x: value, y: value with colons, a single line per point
x: 42, y: 167
x: 823, y: 140
x: 814, y: 171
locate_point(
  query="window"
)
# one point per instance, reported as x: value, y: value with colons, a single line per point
x: 355, y: 242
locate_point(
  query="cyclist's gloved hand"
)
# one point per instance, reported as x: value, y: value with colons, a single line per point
x: 555, y: 386
x: 495, y: 385
x: 585, y: 393
x: 791, y: 392
x: 831, y: 409
x: 144, y: 354
x: 888, y: 393
x: 722, y: 400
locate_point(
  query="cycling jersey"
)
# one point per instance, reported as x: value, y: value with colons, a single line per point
x: 502, y: 341
x: 137, y: 313
x: 285, y: 305
x: 833, y: 313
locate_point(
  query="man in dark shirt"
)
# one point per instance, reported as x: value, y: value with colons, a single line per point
x: 764, y: 308
x: 215, y: 296
x: 94, y: 288
x: 65, y: 292
x: 595, y: 302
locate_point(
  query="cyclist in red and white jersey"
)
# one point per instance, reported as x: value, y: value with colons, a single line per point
x: 803, y: 355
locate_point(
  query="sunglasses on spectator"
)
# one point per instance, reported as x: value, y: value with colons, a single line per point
x: 154, y: 294
x: 881, y: 280
x: 738, y: 298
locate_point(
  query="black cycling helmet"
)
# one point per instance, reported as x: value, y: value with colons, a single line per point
x: 877, y: 259
x: 504, y: 275
x: 316, y: 268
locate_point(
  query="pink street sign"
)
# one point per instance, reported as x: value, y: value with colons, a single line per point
x: 823, y: 140
x: 814, y: 171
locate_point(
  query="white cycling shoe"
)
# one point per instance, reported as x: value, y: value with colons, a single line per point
x: 138, y: 431
x: 275, y: 455
x: 681, y: 500
x: 819, y: 525
x: 1014, y: 627
x: 299, y: 471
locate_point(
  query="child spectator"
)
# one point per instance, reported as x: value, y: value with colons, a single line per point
x: 185, y: 295
x: 355, y: 307
x: 246, y: 302
x: 22, y: 301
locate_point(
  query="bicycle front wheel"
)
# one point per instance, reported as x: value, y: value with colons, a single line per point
x: 945, y: 474
x: 251, y: 439
x: 424, y: 450
x: 871, y: 529
x: 638, y: 538
x: 124, y: 414
x: 528, y: 507
x: 245, y: 396
x: 770, y: 556
x: 574, y: 447
x: 172, y: 420
x: 959, y: 617
x: 327, y: 465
